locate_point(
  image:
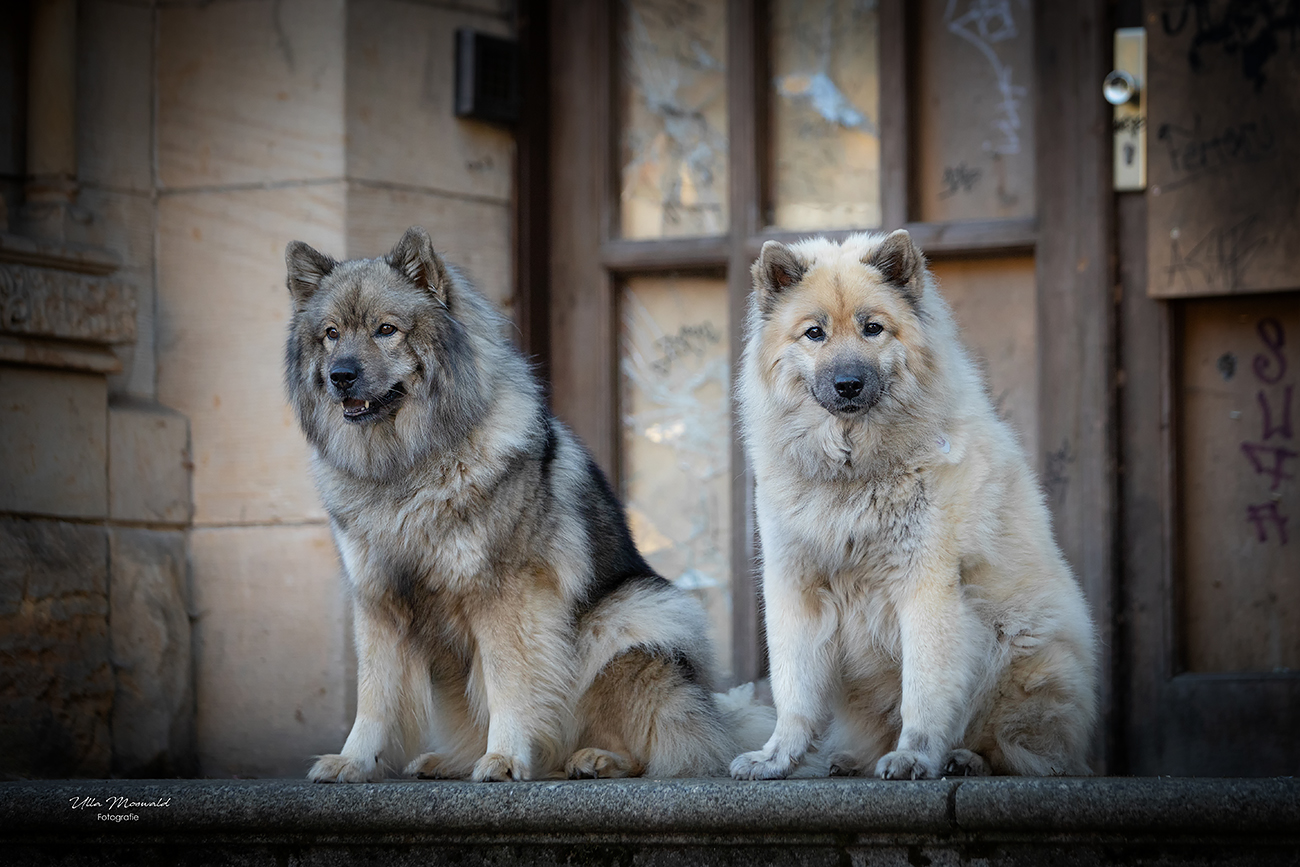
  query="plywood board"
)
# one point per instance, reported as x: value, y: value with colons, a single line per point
x: 1224, y: 115
x: 994, y: 302
x: 1240, y: 478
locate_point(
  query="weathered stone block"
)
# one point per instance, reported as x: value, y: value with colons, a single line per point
x: 272, y: 654
x: 54, y: 427
x: 148, y: 463
x: 125, y: 223
x: 473, y: 235
x: 153, y: 708
x: 250, y: 92
x: 223, y: 311
x: 115, y: 94
x: 401, y: 121
x: 56, y: 682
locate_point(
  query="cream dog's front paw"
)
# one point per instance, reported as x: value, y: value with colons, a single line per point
x: 906, y: 765
x: 965, y: 763
x: 759, y: 765
x: 344, y: 769
x: 497, y: 767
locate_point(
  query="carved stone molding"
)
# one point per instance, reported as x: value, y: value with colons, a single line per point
x: 59, y: 308
x: 43, y: 302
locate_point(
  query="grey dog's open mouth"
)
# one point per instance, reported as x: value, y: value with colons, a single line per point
x: 357, y: 410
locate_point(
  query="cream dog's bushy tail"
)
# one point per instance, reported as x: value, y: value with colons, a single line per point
x: 749, y: 722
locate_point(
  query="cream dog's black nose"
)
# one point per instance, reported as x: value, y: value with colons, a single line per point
x: 848, y: 385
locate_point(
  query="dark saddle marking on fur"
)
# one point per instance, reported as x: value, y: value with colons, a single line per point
x: 614, y: 557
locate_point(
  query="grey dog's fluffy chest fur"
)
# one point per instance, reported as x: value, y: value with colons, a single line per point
x: 437, y: 520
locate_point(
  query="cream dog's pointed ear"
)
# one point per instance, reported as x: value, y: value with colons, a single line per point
x: 307, y: 267
x: 415, y: 257
x: 900, y: 263
x: 776, y: 270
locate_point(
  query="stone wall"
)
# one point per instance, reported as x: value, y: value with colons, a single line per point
x: 170, y: 601
x: 331, y: 122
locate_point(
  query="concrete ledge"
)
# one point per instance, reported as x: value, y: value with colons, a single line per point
x: 1003, y: 821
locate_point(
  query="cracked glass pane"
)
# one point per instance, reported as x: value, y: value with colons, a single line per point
x: 673, y: 104
x: 975, y: 115
x: 825, y: 114
x: 674, y: 408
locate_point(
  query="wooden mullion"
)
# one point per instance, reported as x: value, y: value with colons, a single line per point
x: 939, y: 240
x: 532, y: 197
x: 584, y: 334
x: 746, y: 132
x: 1076, y: 311
x: 672, y: 254
x: 895, y: 122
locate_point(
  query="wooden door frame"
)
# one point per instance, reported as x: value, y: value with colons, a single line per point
x: 1075, y: 267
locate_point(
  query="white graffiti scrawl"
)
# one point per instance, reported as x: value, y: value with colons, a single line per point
x: 985, y: 23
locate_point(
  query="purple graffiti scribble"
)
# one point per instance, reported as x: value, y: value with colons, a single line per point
x: 1274, y: 337
x: 1283, y: 427
x: 1277, y: 473
x: 1267, y: 513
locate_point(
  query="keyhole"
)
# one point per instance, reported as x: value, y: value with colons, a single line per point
x: 1128, y: 154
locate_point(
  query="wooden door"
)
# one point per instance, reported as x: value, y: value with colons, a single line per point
x: 684, y: 134
x: 1210, y: 361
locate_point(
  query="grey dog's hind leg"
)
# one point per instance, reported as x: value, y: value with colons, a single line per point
x: 646, y: 714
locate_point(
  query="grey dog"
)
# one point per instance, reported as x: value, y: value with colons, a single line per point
x: 506, y: 626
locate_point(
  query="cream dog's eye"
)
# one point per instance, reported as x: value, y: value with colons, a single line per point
x: 872, y: 328
x: 815, y: 333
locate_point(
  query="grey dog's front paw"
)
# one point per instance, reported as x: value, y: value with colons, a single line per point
x: 343, y: 769
x: 906, y: 765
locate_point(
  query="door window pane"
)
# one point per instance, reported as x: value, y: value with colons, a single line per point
x: 1240, y: 483
x: 825, y: 100
x: 974, y: 148
x: 676, y: 471
x: 673, y: 102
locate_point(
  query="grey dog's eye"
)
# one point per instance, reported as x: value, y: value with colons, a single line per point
x: 386, y: 329
x: 872, y: 328
x: 815, y: 333
x: 332, y: 333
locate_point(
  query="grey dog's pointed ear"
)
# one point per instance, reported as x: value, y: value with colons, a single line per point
x: 307, y: 267
x: 776, y: 270
x: 899, y: 262
x: 414, y: 256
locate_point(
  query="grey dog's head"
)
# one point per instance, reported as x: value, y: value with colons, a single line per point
x: 380, y: 367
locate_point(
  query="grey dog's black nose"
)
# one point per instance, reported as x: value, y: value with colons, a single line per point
x: 848, y: 385
x: 344, y: 374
